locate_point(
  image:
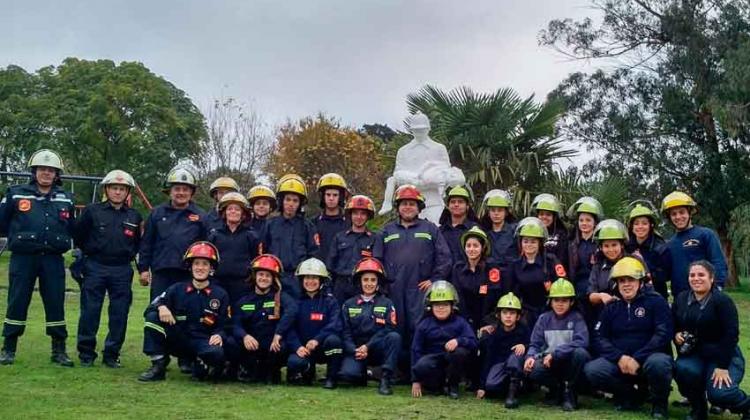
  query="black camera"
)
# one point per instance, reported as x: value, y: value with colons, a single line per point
x: 688, y: 344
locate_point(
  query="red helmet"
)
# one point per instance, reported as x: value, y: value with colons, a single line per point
x: 361, y: 202
x: 408, y: 192
x: 369, y: 265
x: 202, y: 249
x: 267, y: 262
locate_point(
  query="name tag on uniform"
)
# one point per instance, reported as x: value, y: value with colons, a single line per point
x: 316, y: 316
x: 483, y: 289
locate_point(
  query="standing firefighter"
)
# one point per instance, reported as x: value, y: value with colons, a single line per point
x: 290, y: 236
x: 262, y: 202
x: 350, y: 246
x: 333, y: 193
x: 37, y: 219
x: 108, y: 233
x: 218, y: 189
x: 170, y: 229
x: 414, y: 254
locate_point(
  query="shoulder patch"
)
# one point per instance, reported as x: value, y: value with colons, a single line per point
x: 24, y: 205
x: 560, y: 270
x: 194, y: 217
x: 494, y: 275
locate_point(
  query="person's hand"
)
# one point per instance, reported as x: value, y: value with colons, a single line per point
x: 487, y: 329
x: 361, y: 352
x: 451, y: 345
x: 606, y: 298
x: 250, y: 343
x: 628, y: 365
x: 679, y: 339
x: 720, y: 378
x: 480, y: 394
x: 215, y: 340
x: 165, y: 315
x: 424, y: 285
x: 416, y: 390
x: 529, y: 364
x: 145, y: 278
x: 276, y: 343
x: 547, y: 361
x: 302, y: 352
x: 311, y: 345
x: 518, y: 349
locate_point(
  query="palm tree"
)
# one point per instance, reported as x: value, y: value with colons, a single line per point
x: 498, y: 139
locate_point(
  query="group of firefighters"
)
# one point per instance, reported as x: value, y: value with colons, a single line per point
x: 502, y: 305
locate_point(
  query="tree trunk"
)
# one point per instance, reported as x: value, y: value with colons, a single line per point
x: 726, y: 246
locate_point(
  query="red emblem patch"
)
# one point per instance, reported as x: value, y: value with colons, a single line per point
x: 494, y: 275
x: 483, y: 289
x: 560, y: 270
x: 316, y: 316
x: 194, y: 217
x: 380, y: 321
x: 24, y: 205
x: 547, y: 285
x: 393, y: 316
x: 64, y: 215
x: 316, y: 239
x: 129, y: 233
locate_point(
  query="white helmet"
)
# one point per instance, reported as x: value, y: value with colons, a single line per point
x: 46, y: 157
x: 118, y: 177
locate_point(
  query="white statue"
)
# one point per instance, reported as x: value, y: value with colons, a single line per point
x: 424, y: 163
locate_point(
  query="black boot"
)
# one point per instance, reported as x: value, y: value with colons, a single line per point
x: 157, y: 371
x: 659, y: 410
x: 698, y: 410
x: 385, y: 384
x: 453, y: 391
x: 330, y: 383
x: 185, y: 365
x: 570, y: 399
x: 59, y: 356
x: 552, y: 397
x: 8, y: 353
x: 511, y: 400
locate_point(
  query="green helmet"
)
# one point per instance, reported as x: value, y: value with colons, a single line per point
x: 610, y: 229
x: 546, y: 202
x: 509, y: 301
x: 46, y: 157
x: 477, y: 232
x: 562, y: 288
x: 586, y: 205
x: 640, y: 210
x: 531, y: 227
x: 463, y: 191
x: 118, y: 177
x: 497, y: 198
x: 312, y: 267
x: 441, y: 291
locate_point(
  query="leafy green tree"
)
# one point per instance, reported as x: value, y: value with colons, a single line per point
x: 669, y: 112
x: 498, y: 139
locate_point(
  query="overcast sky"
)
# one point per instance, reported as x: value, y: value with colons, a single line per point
x: 356, y: 60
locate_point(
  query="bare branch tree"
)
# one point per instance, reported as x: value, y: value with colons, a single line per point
x: 237, y: 145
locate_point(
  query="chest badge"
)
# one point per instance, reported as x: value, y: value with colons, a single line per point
x: 640, y: 312
x: 214, y: 304
x: 24, y: 205
x: 494, y: 275
x: 194, y: 217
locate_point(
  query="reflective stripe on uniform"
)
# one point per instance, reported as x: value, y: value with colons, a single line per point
x: 180, y: 318
x: 14, y: 322
x: 423, y: 235
x: 55, y: 324
x: 155, y: 327
x: 391, y: 237
x: 62, y: 200
x: 333, y: 351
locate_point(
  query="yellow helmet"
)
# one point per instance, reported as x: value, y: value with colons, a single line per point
x: 586, y: 205
x: 261, y: 191
x: 531, y: 227
x: 477, y: 232
x: 546, y: 202
x: 462, y: 191
x: 628, y: 267
x: 332, y: 180
x: 562, y: 288
x: 46, y: 157
x: 233, y: 198
x: 292, y: 183
x: 223, y: 182
x: 497, y: 198
x: 677, y: 199
x: 610, y: 229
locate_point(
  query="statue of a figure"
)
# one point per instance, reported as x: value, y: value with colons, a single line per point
x: 424, y: 163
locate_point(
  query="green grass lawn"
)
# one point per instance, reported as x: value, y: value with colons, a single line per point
x: 34, y: 388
